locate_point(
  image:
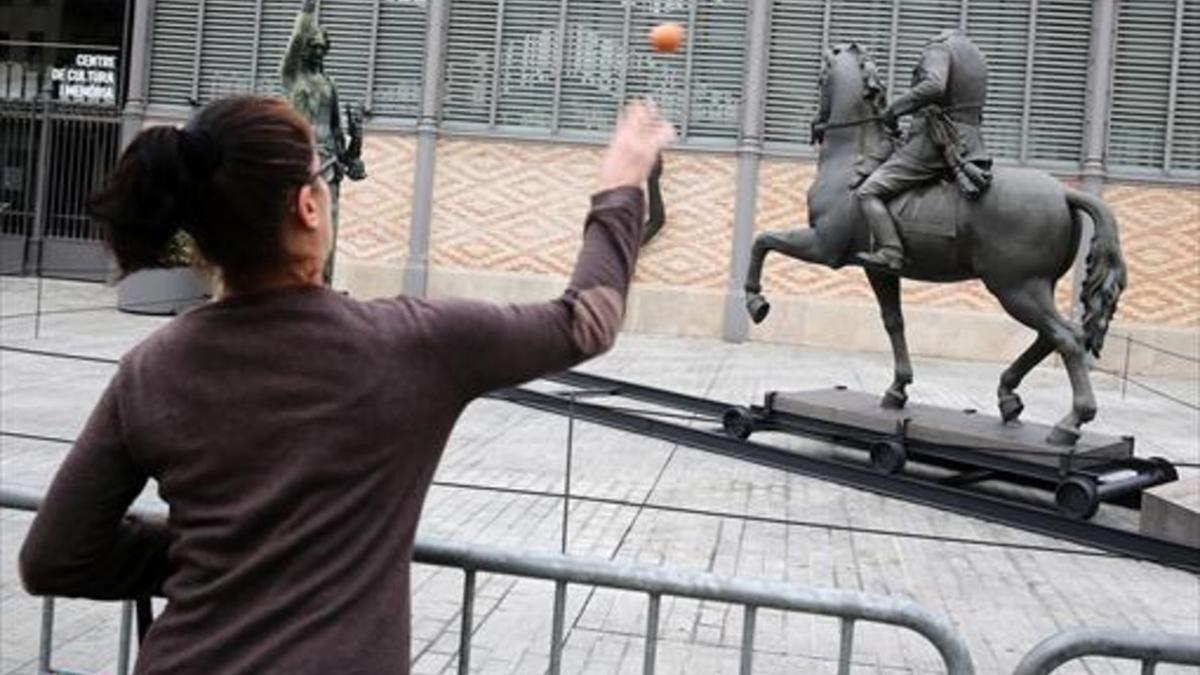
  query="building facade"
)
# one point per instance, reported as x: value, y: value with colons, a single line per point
x: 487, y: 118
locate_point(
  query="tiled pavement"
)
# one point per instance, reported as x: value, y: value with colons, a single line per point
x: 1004, y: 599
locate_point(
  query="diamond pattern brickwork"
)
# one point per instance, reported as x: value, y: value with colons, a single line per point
x: 518, y: 207
x: 376, y: 213
x: 1160, y: 236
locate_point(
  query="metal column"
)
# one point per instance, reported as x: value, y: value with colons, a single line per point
x: 736, y: 325
x: 1095, y: 137
x: 134, y: 112
x: 416, y: 271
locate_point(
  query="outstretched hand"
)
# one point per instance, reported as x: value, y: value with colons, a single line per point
x: 634, y: 148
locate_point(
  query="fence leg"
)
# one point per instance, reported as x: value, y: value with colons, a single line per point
x: 1148, y: 667
x: 124, y: 638
x: 46, y: 639
x: 651, y: 652
x: 468, y: 623
x: 846, y: 647
x: 556, y: 631
x: 748, y: 640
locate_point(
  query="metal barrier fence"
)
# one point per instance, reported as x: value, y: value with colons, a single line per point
x: 849, y: 607
x: 1149, y: 648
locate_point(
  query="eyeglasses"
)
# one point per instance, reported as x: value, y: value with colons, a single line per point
x: 327, y: 171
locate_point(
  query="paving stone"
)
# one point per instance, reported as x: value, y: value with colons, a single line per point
x: 1000, y: 588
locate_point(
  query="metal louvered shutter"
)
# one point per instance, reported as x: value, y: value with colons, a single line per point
x: 1185, y: 141
x: 866, y: 23
x: 1059, y: 88
x: 275, y: 32
x: 1141, y: 83
x: 471, y: 60
x: 399, y: 58
x: 172, y: 51
x: 349, y: 24
x: 1000, y: 28
x: 529, y: 53
x: 593, y: 79
x: 227, y: 48
x: 717, y: 43
x: 794, y: 63
x: 654, y: 75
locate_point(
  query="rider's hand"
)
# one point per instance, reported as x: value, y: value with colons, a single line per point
x: 890, y: 119
x: 638, y: 139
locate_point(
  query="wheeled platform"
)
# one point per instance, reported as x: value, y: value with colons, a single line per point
x: 1081, y: 480
x: 979, y: 447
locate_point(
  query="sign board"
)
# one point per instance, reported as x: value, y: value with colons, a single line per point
x: 91, y: 78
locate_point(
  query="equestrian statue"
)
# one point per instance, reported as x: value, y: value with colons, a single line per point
x: 937, y: 211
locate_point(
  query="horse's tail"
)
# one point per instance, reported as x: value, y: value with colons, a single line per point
x: 1106, y: 274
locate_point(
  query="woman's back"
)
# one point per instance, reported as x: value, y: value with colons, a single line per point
x: 294, y: 434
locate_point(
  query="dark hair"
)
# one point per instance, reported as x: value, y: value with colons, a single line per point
x: 224, y: 179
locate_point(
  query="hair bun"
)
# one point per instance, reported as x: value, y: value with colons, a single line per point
x: 201, y: 153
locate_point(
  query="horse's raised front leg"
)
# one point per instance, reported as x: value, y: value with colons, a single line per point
x: 802, y: 244
x: 1033, y: 305
x: 887, y: 292
x: 1011, y: 406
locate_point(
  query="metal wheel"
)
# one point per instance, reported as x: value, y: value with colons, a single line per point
x: 1077, y: 498
x: 888, y: 457
x: 738, y: 423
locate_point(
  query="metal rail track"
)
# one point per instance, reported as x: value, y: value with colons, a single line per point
x: 906, y: 486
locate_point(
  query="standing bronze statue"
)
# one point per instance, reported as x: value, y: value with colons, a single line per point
x: 1019, y: 237
x: 948, y: 93
x: 313, y: 94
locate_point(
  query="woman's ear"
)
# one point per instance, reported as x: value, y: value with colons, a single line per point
x: 306, y: 207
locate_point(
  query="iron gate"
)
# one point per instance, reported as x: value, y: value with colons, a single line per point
x: 53, y: 154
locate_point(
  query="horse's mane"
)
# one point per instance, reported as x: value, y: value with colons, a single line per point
x: 873, y: 90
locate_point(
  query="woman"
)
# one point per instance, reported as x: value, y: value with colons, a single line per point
x: 292, y: 431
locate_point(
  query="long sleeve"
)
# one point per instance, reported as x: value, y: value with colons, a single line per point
x: 487, y: 346
x: 931, y: 87
x: 304, y: 30
x: 81, y: 543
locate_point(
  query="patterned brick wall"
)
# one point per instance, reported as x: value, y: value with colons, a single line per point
x: 517, y: 207
x: 376, y: 212
x: 1160, y: 235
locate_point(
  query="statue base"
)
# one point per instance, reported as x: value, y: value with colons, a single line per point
x: 967, y: 430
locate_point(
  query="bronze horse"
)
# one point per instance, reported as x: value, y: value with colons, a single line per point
x: 1019, y: 239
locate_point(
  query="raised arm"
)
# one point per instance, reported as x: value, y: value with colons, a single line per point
x: 81, y: 544
x: 305, y: 30
x: 487, y: 346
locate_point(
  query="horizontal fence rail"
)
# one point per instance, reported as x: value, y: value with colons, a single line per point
x: 849, y: 607
x: 1149, y: 648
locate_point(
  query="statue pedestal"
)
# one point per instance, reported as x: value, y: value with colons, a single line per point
x: 985, y: 435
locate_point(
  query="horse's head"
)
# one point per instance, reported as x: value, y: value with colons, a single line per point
x: 850, y: 90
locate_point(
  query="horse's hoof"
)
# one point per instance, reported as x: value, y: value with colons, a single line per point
x: 894, y: 400
x: 1011, y: 407
x: 1060, y: 435
x: 757, y: 306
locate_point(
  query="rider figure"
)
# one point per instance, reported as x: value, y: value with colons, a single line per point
x: 950, y: 88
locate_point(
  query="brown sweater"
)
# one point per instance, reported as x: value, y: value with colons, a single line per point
x: 294, y: 435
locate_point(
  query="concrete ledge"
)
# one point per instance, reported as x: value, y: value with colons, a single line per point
x: 1172, y: 511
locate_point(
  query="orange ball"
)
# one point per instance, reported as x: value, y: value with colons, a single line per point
x: 666, y: 37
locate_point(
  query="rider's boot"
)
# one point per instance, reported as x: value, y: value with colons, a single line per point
x: 890, y: 252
